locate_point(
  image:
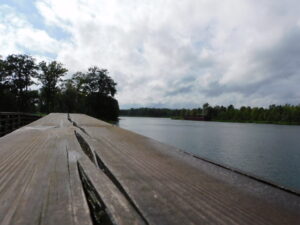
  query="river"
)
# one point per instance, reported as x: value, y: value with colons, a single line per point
x: 271, y: 152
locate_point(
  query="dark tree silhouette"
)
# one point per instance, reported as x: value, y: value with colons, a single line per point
x: 49, y: 76
x: 98, y: 90
x: 279, y: 114
x: 95, y: 81
x: 6, y: 103
x: 17, y: 73
x: 91, y: 92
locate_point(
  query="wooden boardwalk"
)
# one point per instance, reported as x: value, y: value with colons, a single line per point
x: 74, y: 169
x: 10, y: 121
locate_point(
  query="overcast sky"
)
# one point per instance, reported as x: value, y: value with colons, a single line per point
x: 167, y: 53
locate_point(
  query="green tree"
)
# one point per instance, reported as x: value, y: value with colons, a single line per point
x: 70, y: 97
x: 3, y: 82
x: 49, y: 77
x: 98, y: 90
x: 207, y: 111
x: 6, y: 97
x: 17, y: 72
x: 96, y: 80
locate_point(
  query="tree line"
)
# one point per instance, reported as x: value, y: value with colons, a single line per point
x: 91, y: 92
x: 279, y: 114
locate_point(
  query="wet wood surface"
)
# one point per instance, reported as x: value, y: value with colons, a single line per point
x: 75, y: 169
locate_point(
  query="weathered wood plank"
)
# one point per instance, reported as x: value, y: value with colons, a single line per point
x: 117, y: 206
x: 139, y: 180
x: 10, y: 121
x: 39, y: 176
x: 170, y: 187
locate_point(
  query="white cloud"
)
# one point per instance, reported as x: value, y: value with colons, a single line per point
x: 176, y: 53
x: 18, y: 35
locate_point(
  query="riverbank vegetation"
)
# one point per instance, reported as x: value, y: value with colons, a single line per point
x: 28, y: 86
x: 277, y: 114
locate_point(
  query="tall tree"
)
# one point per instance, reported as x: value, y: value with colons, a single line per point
x: 49, y: 77
x: 98, y: 90
x: 70, y: 97
x: 2, y: 76
x: 4, y: 88
x: 18, y: 71
x: 96, y: 80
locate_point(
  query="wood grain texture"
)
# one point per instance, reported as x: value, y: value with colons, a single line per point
x: 137, y: 179
x: 118, y: 207
x: 39, y: 182
x: 170, y: 187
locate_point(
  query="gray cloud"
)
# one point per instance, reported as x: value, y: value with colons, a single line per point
x: 180, y: 53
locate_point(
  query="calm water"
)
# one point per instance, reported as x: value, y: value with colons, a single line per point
x: 268, y: 151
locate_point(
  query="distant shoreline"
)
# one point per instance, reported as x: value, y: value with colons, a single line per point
x: 274, y: 114
x: 223, y: 121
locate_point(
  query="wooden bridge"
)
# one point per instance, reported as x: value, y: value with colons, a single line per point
x: 74, y: 169
x: 10, y: 121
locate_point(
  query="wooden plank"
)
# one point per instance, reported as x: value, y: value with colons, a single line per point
x: 10, y: 121
x: 39, y: 180
x: 117, y: 206
x: 139, y: 180
x: 170, y: 187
